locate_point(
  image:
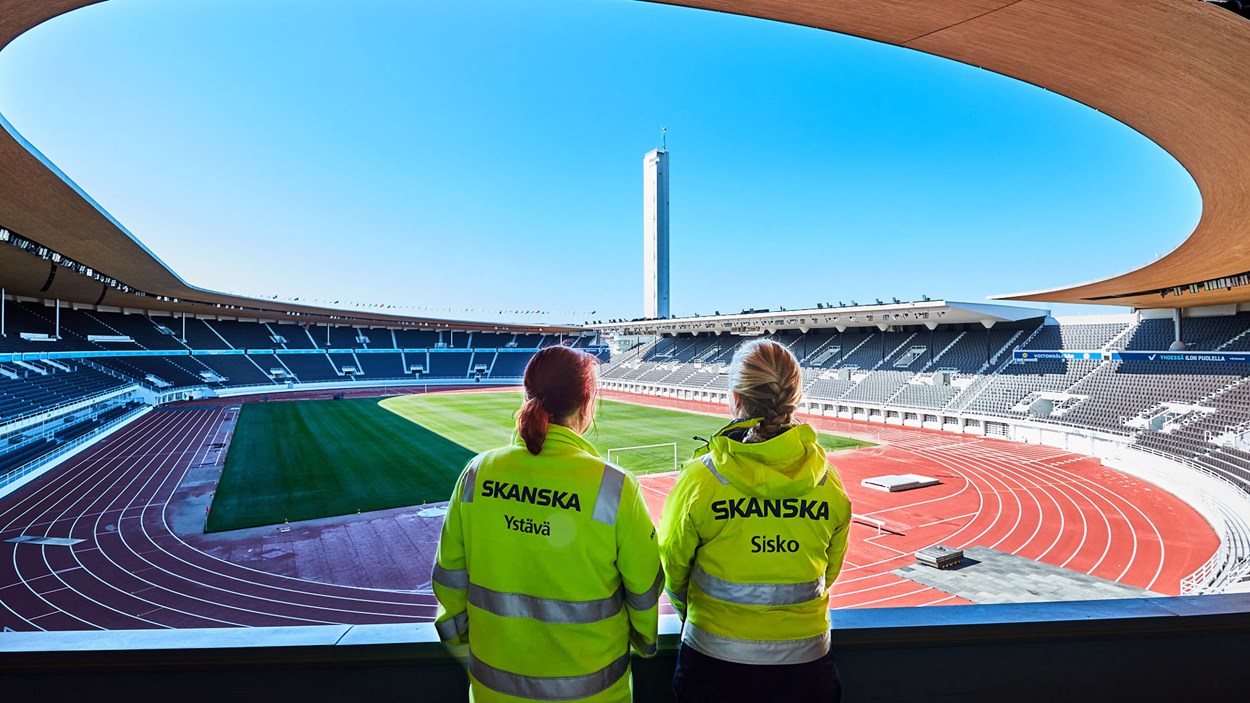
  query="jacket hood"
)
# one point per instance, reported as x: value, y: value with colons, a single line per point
x: 785, y: 466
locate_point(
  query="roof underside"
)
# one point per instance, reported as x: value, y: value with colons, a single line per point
x: 1172, y: 69
x: 929, y: 313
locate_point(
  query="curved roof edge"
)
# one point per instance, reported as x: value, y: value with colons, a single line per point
x: 929, y: 313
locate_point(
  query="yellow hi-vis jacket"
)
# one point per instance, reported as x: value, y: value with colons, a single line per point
x: 752, y: 537
x: 548, y: 568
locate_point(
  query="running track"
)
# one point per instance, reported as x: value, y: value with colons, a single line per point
x: 1033, y: 501
x: 134, y: 570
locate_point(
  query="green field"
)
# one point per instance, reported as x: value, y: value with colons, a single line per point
x: 308, y: 459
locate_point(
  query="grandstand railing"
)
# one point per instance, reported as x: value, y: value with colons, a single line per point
x: 1225, y: 568
x: 371, y: 383
x: 1228, y: 565
x: 77, y: 355
x: 72, y: 446
x: 44, y: 414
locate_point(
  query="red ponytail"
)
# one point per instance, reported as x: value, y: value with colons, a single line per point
x: 532, y: 424
x: 558, y: 382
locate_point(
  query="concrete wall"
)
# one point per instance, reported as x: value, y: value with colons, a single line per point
x: 1159, y: 649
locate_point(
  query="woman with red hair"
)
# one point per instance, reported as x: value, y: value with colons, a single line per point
x: 547, y: 565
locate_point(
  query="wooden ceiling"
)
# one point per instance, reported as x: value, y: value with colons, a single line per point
x: 1172, y: 69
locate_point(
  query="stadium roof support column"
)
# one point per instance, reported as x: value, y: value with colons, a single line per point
x: 1178, y: 344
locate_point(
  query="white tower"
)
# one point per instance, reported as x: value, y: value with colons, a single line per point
x: 655, y: 234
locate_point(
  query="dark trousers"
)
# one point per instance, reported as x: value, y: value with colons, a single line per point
x: 702, y: 678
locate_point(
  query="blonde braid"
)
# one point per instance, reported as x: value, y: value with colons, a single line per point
x: 766, y: 377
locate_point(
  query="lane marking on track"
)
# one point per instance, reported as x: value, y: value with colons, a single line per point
x: 1006, y: 476
x: 946, y: 520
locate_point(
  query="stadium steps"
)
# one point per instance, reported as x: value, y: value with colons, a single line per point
x: 1121, y: 340
x: 219, y: 335
x: 943, y: 352
x: 889, y: 356
x: 1002, y: 351
x: 1234, y: 340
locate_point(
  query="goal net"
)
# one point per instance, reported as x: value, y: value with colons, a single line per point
x: 646, y: 458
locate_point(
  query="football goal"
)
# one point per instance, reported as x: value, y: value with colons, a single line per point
x: 646, y: 458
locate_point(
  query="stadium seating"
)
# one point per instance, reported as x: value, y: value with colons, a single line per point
x: 1176, y: 408
x: 120, y: 350
x: 310, y: 368
x: 201, y: 336
x: 243, y: 335
x: 35, y: 392
x: 382, y: 365
x: 907, y: 374
x: 483, y: 340
x: 293, y: 336
x: 416, y: 339
x: 448, y: 365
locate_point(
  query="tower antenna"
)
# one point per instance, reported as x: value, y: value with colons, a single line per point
x: 663, y: 138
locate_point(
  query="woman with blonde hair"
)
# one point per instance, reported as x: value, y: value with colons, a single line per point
x: 547, y: 565
x: 751, y: 538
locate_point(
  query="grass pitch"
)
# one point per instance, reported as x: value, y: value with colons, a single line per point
x: 299, y: 460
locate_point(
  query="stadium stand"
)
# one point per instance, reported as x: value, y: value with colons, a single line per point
x: 1174, y: 407
x: 1039, y: 380
x: 290, y: 336
x: 415, y: 339
x: 387, y: 365
x: 36, y: 392
x: 234, y: 370
x: 147, y: 333
x: 243, y: 335
x: 78, y: 367
x: 310, y: 368
x: 510, y: 364
x: 201, y: 336
x: 449, y: 365
x: 1192, y: 410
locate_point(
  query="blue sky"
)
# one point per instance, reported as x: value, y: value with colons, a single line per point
x: 473, y: 158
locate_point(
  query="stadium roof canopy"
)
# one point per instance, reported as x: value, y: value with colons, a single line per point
x: 929, y: 313
x: 1172, y: 69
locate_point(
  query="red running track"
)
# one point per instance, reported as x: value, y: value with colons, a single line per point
x: 1037, y: 502
x: 133, y: 569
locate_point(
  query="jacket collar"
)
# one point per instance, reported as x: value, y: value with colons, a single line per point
x: 562, y: 440
x: 734, y: 430
x: 787, y: 465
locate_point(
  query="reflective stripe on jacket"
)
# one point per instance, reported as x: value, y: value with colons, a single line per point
x: 752, y: 537
x: 548, y: 567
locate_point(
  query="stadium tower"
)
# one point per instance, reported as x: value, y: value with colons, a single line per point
x: 655, y: 233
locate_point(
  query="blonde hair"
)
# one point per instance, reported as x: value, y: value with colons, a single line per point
x: 766, y: 377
